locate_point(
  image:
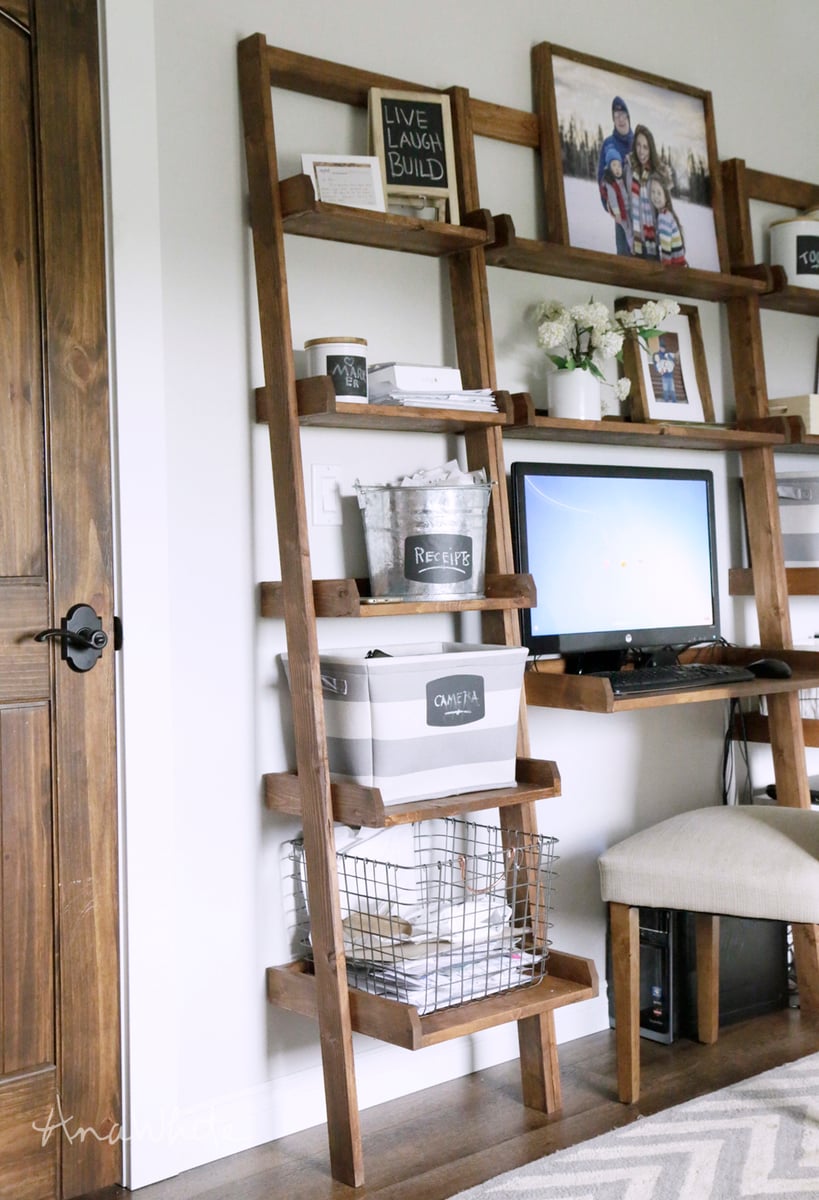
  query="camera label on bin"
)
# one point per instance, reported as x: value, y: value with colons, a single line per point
x: 456, y: 700
x: 438, y: 557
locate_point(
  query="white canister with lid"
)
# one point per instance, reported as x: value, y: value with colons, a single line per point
x: 344, y: 359
x: 795, y: 246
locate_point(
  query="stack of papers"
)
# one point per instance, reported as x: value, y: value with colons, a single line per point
x: 440, y: 983
x: 434, y: 956
x: 476, y: 400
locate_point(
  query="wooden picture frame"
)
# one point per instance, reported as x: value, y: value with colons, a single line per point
x: 411, y: 135
x: 581, y: 102
x: 348, y: 179
x: 681, y: 393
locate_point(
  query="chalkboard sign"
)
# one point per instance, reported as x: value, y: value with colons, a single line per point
x: 807, y: 255
x: 411, y: 134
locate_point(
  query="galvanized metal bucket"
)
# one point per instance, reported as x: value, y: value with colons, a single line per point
x: 426, y: 542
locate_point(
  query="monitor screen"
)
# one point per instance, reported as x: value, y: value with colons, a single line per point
x: 623, y: 558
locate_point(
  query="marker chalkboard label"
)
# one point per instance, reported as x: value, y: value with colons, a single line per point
x: 411, y: 135
x: 349, y: 375
x: 807, y: 254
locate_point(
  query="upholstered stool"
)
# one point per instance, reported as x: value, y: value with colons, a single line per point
x: 735, y: 860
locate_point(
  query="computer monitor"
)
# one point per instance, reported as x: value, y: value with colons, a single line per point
x: 623, y: 559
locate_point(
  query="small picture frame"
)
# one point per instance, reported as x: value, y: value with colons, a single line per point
x: 411, y: 136
x: 669, y: 379
x: 629, y: 162
x: 350, y: 179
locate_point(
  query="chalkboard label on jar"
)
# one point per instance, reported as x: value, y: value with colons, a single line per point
x: 456, y: 700
x: 807, y: 254
x: 349, y: 375
x: 438, y: 557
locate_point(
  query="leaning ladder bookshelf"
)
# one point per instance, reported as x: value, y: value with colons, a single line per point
x: 278, y: 207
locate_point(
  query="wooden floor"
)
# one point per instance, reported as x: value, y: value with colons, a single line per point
x: 438, y: 1142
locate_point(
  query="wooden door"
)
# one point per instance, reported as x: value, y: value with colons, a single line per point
x: 59, y: 1010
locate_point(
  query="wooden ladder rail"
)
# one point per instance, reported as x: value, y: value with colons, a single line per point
x: 346, y: 1155
x: 537, y: 1042
x: 762, y: 518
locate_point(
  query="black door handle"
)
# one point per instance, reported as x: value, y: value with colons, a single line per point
x: 81, y: 636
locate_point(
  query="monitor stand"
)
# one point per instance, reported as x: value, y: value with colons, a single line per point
x: 595, y: 660
x: 615, y: 660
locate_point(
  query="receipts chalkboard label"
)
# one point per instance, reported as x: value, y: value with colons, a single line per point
x: 438, y: 557
x: 411, y: 135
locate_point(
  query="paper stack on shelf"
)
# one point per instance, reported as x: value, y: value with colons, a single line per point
x: 416, y: 386
x: 478, y: 400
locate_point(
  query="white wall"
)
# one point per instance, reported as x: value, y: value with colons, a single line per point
x: 211, y: 1069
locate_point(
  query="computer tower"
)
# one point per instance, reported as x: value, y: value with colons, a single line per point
x: 660, y: 992
x: 753, y: 969
x: 753, y: 972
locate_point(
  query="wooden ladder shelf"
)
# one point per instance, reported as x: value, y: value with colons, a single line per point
x: 320, y: 989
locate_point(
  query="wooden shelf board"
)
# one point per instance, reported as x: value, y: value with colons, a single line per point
x: 570, y: 980
x: 660, y: 433
x: 754, y: 727
x: 799, y: 300
x: 801, y: 581
x: 349, y: 598
x: 354, y: 804
x: 568, y: 262
x: 303, y: 214
x: 319, y: 406
x: 585, y: 693
x: 807, y: 444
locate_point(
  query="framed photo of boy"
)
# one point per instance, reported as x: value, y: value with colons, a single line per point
x: 669, y: 377
x: 629, y: 162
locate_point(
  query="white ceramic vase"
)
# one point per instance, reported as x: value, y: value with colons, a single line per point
x: 574, y: 394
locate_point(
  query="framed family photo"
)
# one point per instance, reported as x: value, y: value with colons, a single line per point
x: 629, y: 162
x: 669, y: 377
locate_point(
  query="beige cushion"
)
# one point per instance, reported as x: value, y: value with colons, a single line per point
x: 738, y: 860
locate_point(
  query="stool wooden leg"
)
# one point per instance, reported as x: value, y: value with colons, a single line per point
x: 806, y: 953
x: 625, y: 957
x: 707, y: 951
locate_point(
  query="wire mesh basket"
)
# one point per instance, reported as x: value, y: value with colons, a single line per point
x: 466, y: 916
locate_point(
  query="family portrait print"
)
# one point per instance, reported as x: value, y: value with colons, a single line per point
x: 637, y: 173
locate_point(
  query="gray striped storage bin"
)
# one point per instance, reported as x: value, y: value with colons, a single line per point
x: 429, y: 720
x: 798, y: 497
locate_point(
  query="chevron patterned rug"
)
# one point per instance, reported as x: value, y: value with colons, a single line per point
x: 756, y: 1139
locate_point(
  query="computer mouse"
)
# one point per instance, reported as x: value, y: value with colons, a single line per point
x: 770, y: 668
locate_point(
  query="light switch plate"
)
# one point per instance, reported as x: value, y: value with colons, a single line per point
x: 326, y: 495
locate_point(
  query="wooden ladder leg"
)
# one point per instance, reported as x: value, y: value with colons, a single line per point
x: 539, y: 1068
x: 707, y: 952
x: 806, y: 953
x: 625, y: 957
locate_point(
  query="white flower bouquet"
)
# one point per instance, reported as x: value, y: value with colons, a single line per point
x: 586, y: 335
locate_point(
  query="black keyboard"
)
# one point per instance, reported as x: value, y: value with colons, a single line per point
x: 675, y: 677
